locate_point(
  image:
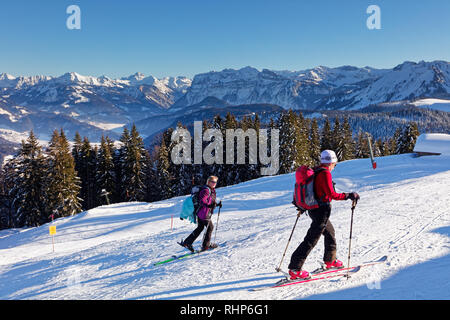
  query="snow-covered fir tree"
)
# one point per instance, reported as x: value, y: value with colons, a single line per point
x: 409, y: 138
x: 326, y: 141
x: 28, y: 184
x: 86, y: 168
x: 248, y: 170
x: 303, y: 146
x: 395, y: 141
x: 133, y: 162
x: 7, y: 211
x: 181, y: 185
x: 163, y: 174
x: 362, y: 146
x: 314, y: 138
x: 105, y: 174
x: 337, y: 141
x: 288, y: 130
x: 153, y: 188
x: 348, y: 144
x: 63, y: 185
x: 228, y: 176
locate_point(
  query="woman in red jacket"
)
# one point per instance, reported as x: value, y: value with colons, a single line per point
x: 321, y: 225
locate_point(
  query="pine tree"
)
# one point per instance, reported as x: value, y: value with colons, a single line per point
x: 205, y: 169
x: 229, y: 175
x: 63, y: 185
x: 348, y: 144
x: 105, y: 174
x: 302, y: 142
x: 153, y: 188
x: 247, y: 171
x: 215, y: 168
x: 378, y: 148
x: 76, y: 152
x: 180, y: 184
x: 287, y: 127
x: 337, y: 141
x: 133, y: 164
x: 256, y: 168
x: 362, y: 146
x: 118, y: 158
x: 386, y: 148
x: 327, y: 138
x: 86, y: 166
x: 163, y: 175
x: 409, y: 138
x: 12, y: 181
x: 7, y: 211
x: 28, y: 189
x: 314, y: 138
x: 395, y: 142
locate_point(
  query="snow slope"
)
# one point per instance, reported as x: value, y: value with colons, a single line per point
x: 435, y: 104
x: 434, y: 143
x: 108, y: 252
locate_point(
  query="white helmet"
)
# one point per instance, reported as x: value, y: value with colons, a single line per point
x: 328, y: 156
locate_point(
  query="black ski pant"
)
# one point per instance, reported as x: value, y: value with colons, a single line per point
x: 320, y: 225
x: 201, y: 225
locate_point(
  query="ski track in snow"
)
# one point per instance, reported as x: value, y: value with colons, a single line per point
x: 108, y: 252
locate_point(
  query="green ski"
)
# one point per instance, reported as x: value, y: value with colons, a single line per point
x: 183, y: 256
x: 173, y: 258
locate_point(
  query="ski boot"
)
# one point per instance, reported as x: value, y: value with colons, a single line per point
x: 187, y: 246
x: 299, y: 275
x: 210, y: 246
x: 336, y: 264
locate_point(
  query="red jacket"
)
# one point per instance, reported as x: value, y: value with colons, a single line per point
x: 323, y: 187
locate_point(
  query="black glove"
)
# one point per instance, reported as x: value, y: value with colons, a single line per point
x: 352, y: 196
x: 300, y: 210
x: 215, y: 204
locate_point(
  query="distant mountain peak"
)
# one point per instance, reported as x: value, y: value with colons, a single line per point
x: 6, y: 76
x: 341, y: 87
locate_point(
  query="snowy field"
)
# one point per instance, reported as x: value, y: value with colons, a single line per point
x: 108, y: 252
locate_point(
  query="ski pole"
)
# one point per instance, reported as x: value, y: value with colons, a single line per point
x: 217, y: 223
x: 350, y: 240
x: 290, y: 237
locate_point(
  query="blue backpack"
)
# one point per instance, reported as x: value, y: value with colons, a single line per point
x: 191, y: 205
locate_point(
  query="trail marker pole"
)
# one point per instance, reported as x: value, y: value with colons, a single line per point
x: 374, y: 164
x: 52, y: 232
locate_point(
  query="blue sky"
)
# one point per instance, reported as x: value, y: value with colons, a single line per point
x: 174, y: 37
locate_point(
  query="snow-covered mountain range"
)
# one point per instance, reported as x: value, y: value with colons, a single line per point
x: 319, y: 88
x: 88, y: 104
x: 98, y: 105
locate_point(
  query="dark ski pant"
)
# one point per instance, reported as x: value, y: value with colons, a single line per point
x: 320, y: 225
x: 201, y: 225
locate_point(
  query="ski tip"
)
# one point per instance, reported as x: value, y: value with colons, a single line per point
x: 382, y: 259
x: 356, y: 269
